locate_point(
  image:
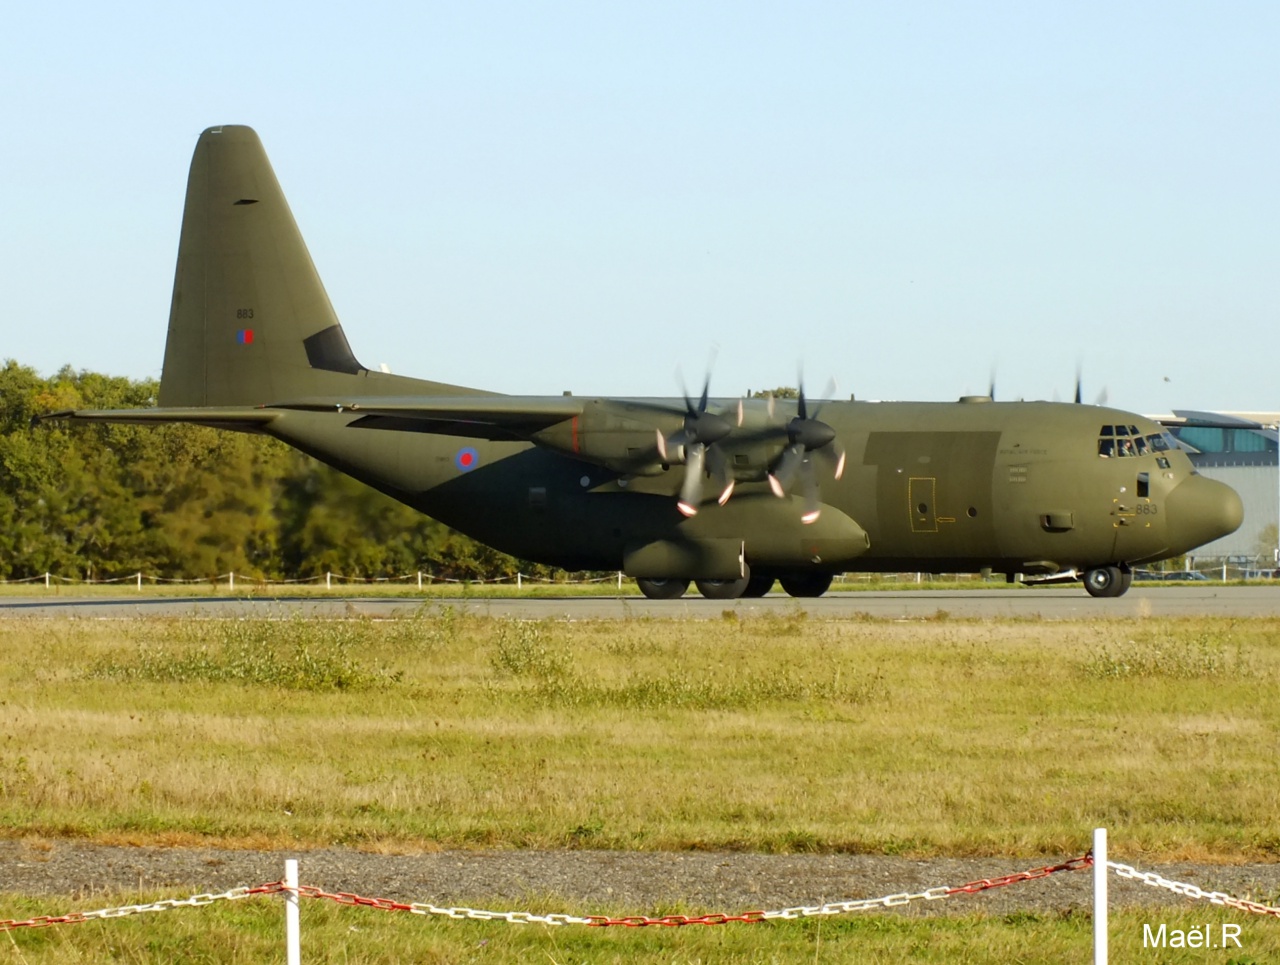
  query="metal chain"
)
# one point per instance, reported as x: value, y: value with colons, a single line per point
x: 124, y: 911
x: 933, y: 894
x: 1191, y: 891
x: 598, y: 921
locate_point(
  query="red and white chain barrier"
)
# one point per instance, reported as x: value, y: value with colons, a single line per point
x: 124, y: 911
x: 529, y: 918
x: 292, y: 891
x: 1192, y: 891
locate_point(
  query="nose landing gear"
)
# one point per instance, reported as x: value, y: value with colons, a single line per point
x: 1103, y: 581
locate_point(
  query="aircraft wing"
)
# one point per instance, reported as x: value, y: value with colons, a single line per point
x: 502, y: 417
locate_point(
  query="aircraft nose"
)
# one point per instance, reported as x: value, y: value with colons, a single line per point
x: 1202, y: 510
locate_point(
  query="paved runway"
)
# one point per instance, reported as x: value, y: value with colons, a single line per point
x: 1064, y: 603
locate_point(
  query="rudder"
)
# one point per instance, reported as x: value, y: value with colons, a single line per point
x: 250, y: 322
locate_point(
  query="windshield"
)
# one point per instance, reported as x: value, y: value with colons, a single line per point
x: 1116, y: 441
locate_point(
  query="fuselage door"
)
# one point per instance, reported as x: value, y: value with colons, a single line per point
x: 921, y: 495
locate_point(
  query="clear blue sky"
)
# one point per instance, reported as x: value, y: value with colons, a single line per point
x: 532, y: 197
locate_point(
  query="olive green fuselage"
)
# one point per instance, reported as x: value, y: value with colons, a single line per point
x: 1015, y: 487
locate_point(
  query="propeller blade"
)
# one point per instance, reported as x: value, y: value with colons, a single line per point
x: 691, y: 488
x: 780, y: 480
x: 719, y: 467
x: 834, y: 454
x: 812, y: 503
x: 1102, y: 397
x: 1079, y: 385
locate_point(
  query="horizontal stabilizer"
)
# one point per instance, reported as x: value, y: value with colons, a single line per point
x: 235, y: 417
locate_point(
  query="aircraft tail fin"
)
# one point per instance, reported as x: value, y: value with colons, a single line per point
x: 250, y: 322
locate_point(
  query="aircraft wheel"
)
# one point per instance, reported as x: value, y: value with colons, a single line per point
x: 807, y: 585
x: 1126, y: 580
x: 723, y: 589
x: 758, y: 586
x: 1103, y: 581
x: 656, y: 589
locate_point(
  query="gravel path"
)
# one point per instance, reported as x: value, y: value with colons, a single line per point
x: 590, y: 881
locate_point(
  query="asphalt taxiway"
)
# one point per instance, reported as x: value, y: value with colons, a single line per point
x: 1065, y: 603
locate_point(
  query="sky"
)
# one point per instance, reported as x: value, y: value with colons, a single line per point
x: 606, y: 197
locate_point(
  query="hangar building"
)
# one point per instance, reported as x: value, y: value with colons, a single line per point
x: 1242, y: 449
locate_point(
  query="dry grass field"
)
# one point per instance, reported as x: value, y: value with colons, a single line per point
x: 778, y: 733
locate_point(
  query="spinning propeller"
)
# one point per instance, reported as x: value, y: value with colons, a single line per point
x: 694, y: 444
x: 1102, y: 396
x: 806, y: 437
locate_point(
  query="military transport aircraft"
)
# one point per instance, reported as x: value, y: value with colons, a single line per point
x: 733, y: 494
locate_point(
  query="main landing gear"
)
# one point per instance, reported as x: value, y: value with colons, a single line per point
x: 1105, y: 581
x: 799, y: 585
x: 656, y: 589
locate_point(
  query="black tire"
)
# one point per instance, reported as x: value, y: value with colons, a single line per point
x: 1126, y: 580
x: 758, y: 586
x: 807, y: 584
x: 723, y: 589
x: 1104, y: 581
x: 662, y: 589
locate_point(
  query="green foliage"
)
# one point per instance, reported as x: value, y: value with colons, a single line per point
x: 781, y: 392
x: 1267, y: 542
x: 104, y: 501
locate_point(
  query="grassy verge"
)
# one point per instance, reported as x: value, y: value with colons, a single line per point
x: 774, y: 733
x: 252, y: 931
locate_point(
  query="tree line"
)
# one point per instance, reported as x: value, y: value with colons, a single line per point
x: 177, y: 501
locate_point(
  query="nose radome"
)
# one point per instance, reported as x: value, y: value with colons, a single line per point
x: 1202, y: 510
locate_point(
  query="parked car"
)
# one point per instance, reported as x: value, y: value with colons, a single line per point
x: 1185, y: 575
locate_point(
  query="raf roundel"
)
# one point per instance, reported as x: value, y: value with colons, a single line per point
x: 466, y: 459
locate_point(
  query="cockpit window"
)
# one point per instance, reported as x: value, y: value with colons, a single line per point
x: 1120, y: 441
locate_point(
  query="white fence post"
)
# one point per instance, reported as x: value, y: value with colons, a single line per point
x: 619, y: 579
x: 519, y: 580
x: 292, y: 921
x: 1100, y: 896
x: 231, y: 581
x: 46, y: 581
x: 419, y: 579
x: 139, y: 581
x: 328, y: 580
